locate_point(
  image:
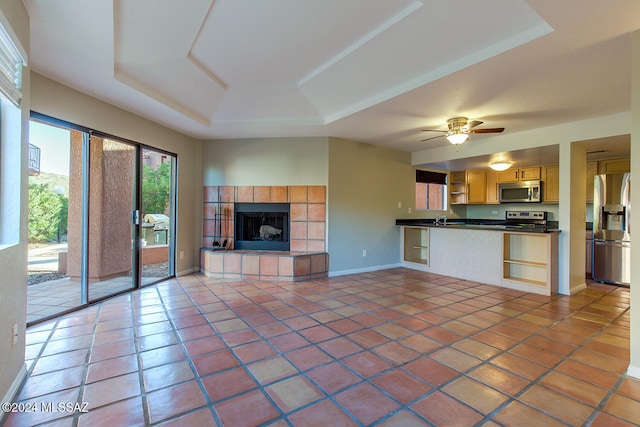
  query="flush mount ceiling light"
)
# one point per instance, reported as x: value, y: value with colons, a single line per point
x: 500, y: 166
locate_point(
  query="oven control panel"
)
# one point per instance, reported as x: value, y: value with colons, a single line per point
x: 526, y: 215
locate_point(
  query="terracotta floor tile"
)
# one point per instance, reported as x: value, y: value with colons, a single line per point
x: 537, y: 355
x: 166, y: 375
x: 318, y: 333
x: 254, y: 351
x: 476, y: 348
x: 475, y: 394
x: 308, y: 357
x: 404, y: 419
x: 366, y: 403
x: 587, y: 373
x: 585, y: 392
x: 455, y: 359
x: 605, y: 420
x: 271, y: 370
x: 367, y: 364
x: 630, y: 387
x: 391, y: 330
x: 129, y: 412
x: 495, y: 340
x: 556, y: 404
x: 607, y: 363
x: 55, y: 362
x: 228, y: 383
x: 38, y: 385
x: 204, y: 345
x: 112, y: 368
x: 175, y: 400
x: 31, y: 418
x: 499, y: 379
x: 324, y: 413
x: 109, y: 351
x: 519, y: 366
x: 247, y: 410
x: 201, y: 417
x: 288, y: 342
x: 368, y: 338
x: 431, y: 371
x: 404, y: 387
x: 420, y: 343
x: 111, y: 390
x: 442, y: 335
x: 519, y: 414
x: 214, y: 362
x: 442, y: 410
x: 293, y: 393
x: 340, y: 347
x: 396, y: 353
x: 623, y: 407
x: 333, y: 377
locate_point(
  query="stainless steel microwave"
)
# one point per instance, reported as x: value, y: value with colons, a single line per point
x: 520, y: 192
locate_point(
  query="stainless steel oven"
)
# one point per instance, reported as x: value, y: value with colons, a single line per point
x: 520, y: 192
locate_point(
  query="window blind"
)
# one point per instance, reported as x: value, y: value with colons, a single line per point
x: 428, y: 177
x: 10, y: 69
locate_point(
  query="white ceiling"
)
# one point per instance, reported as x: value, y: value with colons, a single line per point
x: 375, y: 71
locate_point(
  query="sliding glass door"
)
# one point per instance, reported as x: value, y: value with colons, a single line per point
x: 113, y: 217
x: 101, y: 217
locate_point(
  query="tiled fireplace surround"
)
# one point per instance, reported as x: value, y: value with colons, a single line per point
x: 306, y: 258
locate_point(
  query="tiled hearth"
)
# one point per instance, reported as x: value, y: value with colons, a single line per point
x: 264, y: 265
x: 306, y: 259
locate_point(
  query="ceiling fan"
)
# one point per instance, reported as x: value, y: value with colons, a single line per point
x: 459, y: 130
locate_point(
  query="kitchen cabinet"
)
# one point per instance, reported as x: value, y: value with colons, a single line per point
x: 522, y: 174
x: 476, y: 186
x: 551, y: 184
x: 458, y: 188
x: 592, y: 171
x: 492, y: 186
x: 416, y: 245
x: 614, y: 166
x: 531, y: 260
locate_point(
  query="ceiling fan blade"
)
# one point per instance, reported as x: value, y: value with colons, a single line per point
x: 433, y: 137
x: 488, y: 130
x: 473, y: 123
x: 433, y: 130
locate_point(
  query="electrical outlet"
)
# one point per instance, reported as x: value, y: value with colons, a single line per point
x: 494, y: 212
x: 399, y: 205
x: 364, y: 252
x: 15, y: 335
x: 181, y: 254
x: 409, y: 210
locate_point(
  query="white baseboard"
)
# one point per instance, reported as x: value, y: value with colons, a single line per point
x: 633, y: 371
x: 363, y: 270
x: 15, y: 387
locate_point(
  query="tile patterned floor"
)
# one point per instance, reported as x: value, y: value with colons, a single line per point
x: 390, y: 348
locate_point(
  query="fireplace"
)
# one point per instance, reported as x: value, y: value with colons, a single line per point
x: 262, y: 226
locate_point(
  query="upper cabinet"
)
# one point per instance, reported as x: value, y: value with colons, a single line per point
x: 468, y: 187
x: 493, y: 178
x: 551, y: 184
x: 614, y: 166
x: 476, y: 186
x: 592, y: 171
x: 522, y: 174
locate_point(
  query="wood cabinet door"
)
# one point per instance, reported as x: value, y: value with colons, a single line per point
x: 551, y: 183
x: 592, y: 171
x: 510, y: 175
x: 529, y: 174
x: 476, y: 186
x: 614, y: 166
x: 492, y: 186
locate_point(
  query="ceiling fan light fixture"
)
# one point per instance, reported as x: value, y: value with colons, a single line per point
x: 500, y: 166
x: 457, y: 138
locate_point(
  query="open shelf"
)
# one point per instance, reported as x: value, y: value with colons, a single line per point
x: 416, y: 245
x: 528, y: 259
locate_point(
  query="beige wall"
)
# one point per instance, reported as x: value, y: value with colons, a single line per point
x: 62, y: 102
x: 366, y: 183
x: 13, y: 257
x: 266, y: 161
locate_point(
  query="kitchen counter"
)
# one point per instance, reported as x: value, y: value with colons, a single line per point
x: 478, y: 224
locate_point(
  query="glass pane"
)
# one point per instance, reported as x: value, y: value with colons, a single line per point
x: 54, y: 257
x: 431, y: 196
x: 112, y: 233
x: 157, y: 215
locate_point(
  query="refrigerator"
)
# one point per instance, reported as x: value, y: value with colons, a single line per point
x: 611, y: 228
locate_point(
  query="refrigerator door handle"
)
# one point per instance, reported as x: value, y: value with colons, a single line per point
x: 612, y: 244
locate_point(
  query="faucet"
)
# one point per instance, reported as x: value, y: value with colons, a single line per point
x: 437, y: 221
x: 442, y: 218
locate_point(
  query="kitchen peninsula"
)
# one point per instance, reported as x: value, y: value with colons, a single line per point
x: 487, y: 251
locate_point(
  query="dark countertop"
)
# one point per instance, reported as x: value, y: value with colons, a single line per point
x: 478, y: 224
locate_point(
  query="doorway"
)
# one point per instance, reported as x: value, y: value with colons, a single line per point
x: 91, y: 242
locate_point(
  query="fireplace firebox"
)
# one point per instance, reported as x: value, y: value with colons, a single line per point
x: 262, y: 226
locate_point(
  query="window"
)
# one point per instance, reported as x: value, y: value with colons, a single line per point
x: 431, y: 190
